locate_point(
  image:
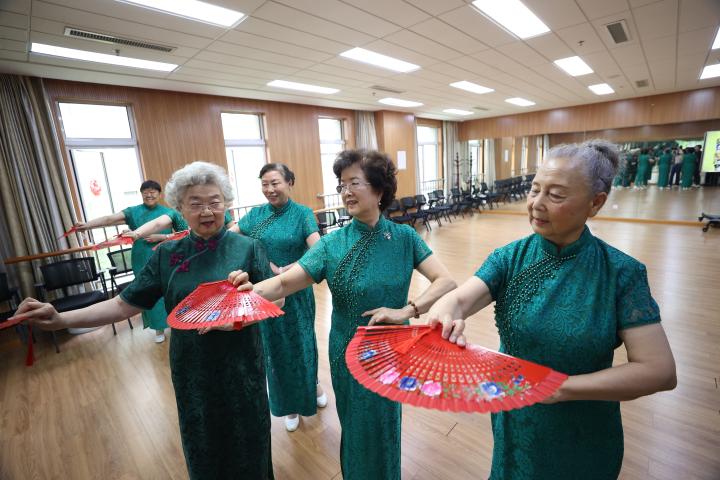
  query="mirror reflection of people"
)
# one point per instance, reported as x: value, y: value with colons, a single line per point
x: 566, y: 299
x: 217, y: 375
x: 134, y: 217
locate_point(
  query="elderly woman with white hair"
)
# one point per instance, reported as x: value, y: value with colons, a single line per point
x: 566, y: 299
x: 219, y: 378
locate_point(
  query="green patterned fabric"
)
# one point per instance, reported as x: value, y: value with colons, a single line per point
x: 688, y: 170
x: 664, y: 163
x: 563, y: 309
x: 366, y: 268
x: 219, y: 378
x: 136, y: 217
x: 642, y: 171
x: 291, y: 357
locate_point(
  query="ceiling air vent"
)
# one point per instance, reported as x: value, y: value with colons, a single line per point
x: 113, y: 40
x: 618, y: 32
x: 641, y: 83
x: 385, y: 89
x: 482, y: 109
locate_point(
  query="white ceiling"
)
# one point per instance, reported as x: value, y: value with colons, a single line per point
x: 299, y: 40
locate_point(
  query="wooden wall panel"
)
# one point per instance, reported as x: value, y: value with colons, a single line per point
x: 175, y: 128
x: 641, y: 134
x: 396, y: 131
x: 678, y: 107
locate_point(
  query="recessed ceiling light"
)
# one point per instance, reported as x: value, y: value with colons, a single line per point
x: 520, y: 102
x: 457, y: 111
x: 574, y: 66
x: 716, y: 43
x: 302, y: 86
x: 514, y: 16
x: 601, y: 89
x: 194, y: 10
x: 710, y: 71
x: 399, y: 102
x: 471, y: 87
x: 379, y: 60
x: 87, y: 56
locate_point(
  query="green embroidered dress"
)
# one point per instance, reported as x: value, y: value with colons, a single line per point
x: 563, y: 309
x: 688, y: 170
x: 664, y: 163
x: 136, y: 217
x: 365, y: 269
x: 291, y: 357
x: 643, y: 169
x: 218, y: 377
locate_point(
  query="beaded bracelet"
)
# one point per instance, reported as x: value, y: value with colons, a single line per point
x: 417, y: 312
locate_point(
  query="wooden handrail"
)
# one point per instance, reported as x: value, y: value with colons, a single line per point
x: 30, y: 258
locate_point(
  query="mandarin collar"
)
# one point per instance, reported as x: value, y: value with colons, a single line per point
x: 364, y: 227
x: 569, y: 250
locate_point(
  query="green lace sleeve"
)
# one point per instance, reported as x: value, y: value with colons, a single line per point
x: 145, y: 290
x: 178, y: 222
x: 493, y: 272
x: 314, y: 261
x: 309, y: 224
x: 261, y: 264
x: 634, y: 303
x: 420, y: 249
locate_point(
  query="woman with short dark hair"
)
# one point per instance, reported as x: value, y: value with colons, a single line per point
x: 368, y: 265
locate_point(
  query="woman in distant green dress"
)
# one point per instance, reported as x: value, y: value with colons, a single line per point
x: 218, y: 376
x: 368, y: 265
x: 688, y: 168
x: 641, y: 177
x: 566, y: 299
x: 664, y: 163
x: 134, y: 217
x: 287, y: 229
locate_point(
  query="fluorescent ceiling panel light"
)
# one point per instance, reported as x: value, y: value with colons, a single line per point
x: 520, y: 102
x: 514, y: 16
x: 302, y: 86
x: 710, y: 71
x: 87, y: 56
x: 716, y: 43
x: 471, y: 87
x: 399, y: 102
x: 457, y: 111
x: 601, y: 89
x: 194, y: 10
x: 574, y: 66
x: 379, y: 60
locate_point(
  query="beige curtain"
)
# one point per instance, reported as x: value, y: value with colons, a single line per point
x: 34, y: 190
x: 365, y: 136
x: 451, y: 148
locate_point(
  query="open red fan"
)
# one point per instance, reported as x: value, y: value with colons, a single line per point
x: 218, y: 303
x: 117, y: 240
x: 72, y: 230
x: 415, y: 365
x: 174, y: 236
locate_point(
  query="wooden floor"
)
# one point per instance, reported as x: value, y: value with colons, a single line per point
x: 104, y: 408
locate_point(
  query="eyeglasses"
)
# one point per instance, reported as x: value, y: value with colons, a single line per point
x: 351, y: 187
x: 200, y: 207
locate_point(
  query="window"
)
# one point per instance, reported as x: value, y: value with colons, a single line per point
x: 475, y: 162
x: 245, y: 150
x: 427, y: 145
x: 332, y: 142
x: 101, y: 144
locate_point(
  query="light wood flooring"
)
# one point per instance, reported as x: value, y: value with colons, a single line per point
x: 104, y: 407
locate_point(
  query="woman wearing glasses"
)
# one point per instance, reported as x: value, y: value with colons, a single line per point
x: 287, y: 229
x: 368, y: 265
x: 218, y: 376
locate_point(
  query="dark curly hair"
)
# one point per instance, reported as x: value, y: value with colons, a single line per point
x: 150, y: 184
x: 377, y: 167
x: 281, y: 168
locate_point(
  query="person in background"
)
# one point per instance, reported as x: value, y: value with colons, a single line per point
x: 689, y: 164
x: 676, y: 167
x: 664, y: 162
x: 698, y: 165
x: 641, y: 177
x: 135, y: 217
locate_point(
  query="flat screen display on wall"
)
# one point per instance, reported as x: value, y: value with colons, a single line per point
x: 711, y: 152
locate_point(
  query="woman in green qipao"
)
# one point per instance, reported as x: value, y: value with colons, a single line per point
x: 566, y: 299
x: 664, y: 163
x: 134, y: 217
x: 287, y: 229
x: 688, y: 168
x: 641, y: 177
x: 368, y: 265
x: 218, y: 376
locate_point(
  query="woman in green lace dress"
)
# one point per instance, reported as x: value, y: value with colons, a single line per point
x: 566, y: 299
x: 287, y: 229
x: 643, y: 169
x: 134, y: 217
x: 664, y: 163
x: 368, y: 265
x: 218, y: 376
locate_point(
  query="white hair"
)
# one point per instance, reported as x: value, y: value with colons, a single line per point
x: 599, y: 160
x: 197, y: 173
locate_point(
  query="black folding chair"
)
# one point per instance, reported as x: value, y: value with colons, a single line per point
x: 325, y: 219
x: 68, y: 273
x: 121, y: 261
x: 394, y: 208
x: 342, y: 216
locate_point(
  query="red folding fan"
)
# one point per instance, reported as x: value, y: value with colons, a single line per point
x: 116, y: 240
x: 174, y: 236
x: 72, y: 230
x: 415, y: 365
x: 219, y: 303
